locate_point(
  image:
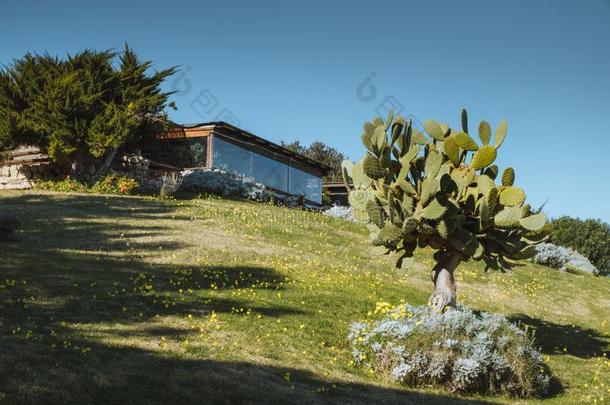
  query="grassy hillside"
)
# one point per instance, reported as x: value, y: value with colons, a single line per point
x: 138, y: 300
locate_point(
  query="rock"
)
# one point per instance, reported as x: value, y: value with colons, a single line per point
x: 15, y: 185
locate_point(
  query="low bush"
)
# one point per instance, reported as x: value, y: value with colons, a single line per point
x: 67, y: 185
x: 112, y: 183
x: 562, y: 258
x: 170, y: 184
x: 115, y: 184
x: 338, y: 211
x: 8, y: 225
x: 456, y: 350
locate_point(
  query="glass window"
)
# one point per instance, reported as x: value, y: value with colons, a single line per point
x: 174, y: 152
x: 198, y: 150
x: 270, y: 172
x: 232, y: 158
x: 305, y: 184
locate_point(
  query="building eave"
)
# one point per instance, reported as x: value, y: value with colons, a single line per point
x: 261, y: 142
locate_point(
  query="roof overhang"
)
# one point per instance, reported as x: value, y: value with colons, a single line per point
x: 224, y: 128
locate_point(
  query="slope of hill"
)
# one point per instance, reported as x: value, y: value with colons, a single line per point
x: 140, y: 300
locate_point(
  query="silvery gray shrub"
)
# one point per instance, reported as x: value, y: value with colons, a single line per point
x: 457, y: 350
x: 338, y: 211
x: 170, y: 183
x: 562, y: 258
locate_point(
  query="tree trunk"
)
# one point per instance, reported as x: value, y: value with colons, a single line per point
x: 444, y: 283
x: 103, y: 168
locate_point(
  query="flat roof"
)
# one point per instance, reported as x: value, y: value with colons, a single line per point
x: 258, y: 141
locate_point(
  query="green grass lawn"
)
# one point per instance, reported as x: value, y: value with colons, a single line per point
x: 139, y: 300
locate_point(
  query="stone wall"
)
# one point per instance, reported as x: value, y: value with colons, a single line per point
x: 134, y: 165
x: 12, y: 178
x: 25, y: 164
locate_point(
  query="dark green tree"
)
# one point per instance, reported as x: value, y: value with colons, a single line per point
x: 589, y: 237
x: 320, y: 152
x: 81, y: 109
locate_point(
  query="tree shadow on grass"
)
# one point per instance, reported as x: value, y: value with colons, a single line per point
x: 92, y: 256
x: 80, y: 259
x: 77, y: 262
x: 553, y: 338
x: 111, y: 375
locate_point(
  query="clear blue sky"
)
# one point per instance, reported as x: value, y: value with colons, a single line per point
x: 291, y: 70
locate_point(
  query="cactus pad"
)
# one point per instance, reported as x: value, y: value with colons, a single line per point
x: 390, y: 233
x: 418, y: 137
x: 508, y: 177
x: 464, y: 120
x: 434, y: 129
x: 533, y: 222
x: 434, y: 210
x: 433, y: 164
x: 452, y: 150
x: 500, y: 133
x: 485, y: 132
x: 465, y: 142
x: 509, y: 216
x: 511, y: 196
x: 484, y: 157
x: 372, y: 167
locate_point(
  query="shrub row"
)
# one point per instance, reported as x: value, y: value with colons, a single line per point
x: 590, y: 237
x: 110, y: 184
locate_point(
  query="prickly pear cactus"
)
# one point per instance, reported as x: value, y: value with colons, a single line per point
x: 441, y: 191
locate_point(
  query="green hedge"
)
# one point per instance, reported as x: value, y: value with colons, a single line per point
x: 590, y: 237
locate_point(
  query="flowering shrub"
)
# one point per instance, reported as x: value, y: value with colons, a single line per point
x: 562, y: 258
x: 67, y: 185
x: 115, y: 184
x: 112, y: 183
x: 458, y: 350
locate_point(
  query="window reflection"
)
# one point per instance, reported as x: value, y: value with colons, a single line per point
x: 269, y: 172
x: 232, y: 158
x: 198, y: 151
x: 302, y: 183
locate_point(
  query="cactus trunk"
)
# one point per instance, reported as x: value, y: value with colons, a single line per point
x: 444, y: 283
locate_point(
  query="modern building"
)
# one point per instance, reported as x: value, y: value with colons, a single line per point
x: 224, y: 146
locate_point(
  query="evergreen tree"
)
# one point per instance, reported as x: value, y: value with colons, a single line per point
x: 320, y: 152
x: 81, y: 109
